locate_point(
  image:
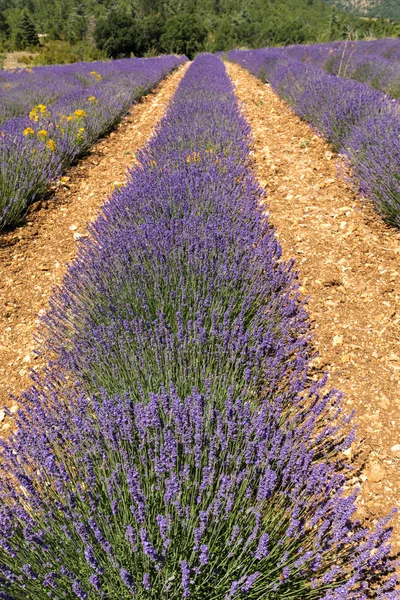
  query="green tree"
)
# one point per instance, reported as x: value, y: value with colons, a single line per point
x: 149, y: 31
x: 76, y: 25
x: 184, y: 34
x: 26, y: 34
x: 116, y: 34
x: 4, y: 28
x: 225, y: 35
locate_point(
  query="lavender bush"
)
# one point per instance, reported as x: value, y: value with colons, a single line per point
x: 376, y: 63
x: 360, y: 122
x: 195, y: 457
x: 51, y: 115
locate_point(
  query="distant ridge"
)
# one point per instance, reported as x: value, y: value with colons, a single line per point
x: 389, y: 9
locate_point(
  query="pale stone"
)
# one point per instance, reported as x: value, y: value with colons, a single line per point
x: 337, y: 340
x: 375, y: 472
x: 396, y: 450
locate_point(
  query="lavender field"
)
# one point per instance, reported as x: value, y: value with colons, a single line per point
x: 178, y: 446
x: 348, y: 93
x: 51, y: 115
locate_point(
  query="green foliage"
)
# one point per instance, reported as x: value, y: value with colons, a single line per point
x: 26, y: 35
x: 57, y: 52
x: 388, y: 9
x: 184, y: 34
x: 4, y: 28
x: 116, y: 35
x: 148, y: 27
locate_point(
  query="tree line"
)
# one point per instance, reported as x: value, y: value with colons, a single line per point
x: 116, y: 28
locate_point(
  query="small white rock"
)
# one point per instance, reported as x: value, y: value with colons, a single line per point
x: 73, y: 227
x: 337, y: 340
x: 396, y: 449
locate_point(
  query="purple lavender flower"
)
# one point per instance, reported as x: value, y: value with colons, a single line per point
x: 185, y: 569
x: 43, y: 99
x: 182, y: 391
x: 362, y: 123
x: 146, y: 582
x: 128, y: 580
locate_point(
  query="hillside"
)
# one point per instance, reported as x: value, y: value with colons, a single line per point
x: 145, y: 27
x: 388, y: 9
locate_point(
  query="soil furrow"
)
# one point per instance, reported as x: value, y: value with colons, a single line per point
x: 349, y: 267
x: 34, y: 256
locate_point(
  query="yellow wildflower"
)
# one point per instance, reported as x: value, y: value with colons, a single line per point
x: 42, y: 133
x: 80, y: 133
x: 96, y: 75
x: 93, y: 100
x: 38, y: 110
x: 80, y: 113
x: 51, y: 145
x: 194, y: 157
x: 28, y: 131
x: 7, y: 85
x: 33, y: 115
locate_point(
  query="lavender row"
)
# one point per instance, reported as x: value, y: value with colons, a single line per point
x: 51, y: 115
x: 195, y: 457
x: 361, y: 123
x: 376, y: 63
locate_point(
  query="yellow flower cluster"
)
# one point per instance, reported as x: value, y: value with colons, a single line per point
x: 93, y: 100
x: 193, y: 158
x: 80, y: 133
x: 96, y: 75
x: 39, y: 111
x: 42, y: 136
x: 51, y: 145
x: 28, y: 69
x: 78, y: 114
x: 7, y: 85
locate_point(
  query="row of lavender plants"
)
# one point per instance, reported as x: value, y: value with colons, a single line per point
x: 51, y: 115
x: 177, y: 446
x: 376, y: 63
x: 361, y: 123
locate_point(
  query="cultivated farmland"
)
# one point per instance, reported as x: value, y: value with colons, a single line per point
x: 183, y: 440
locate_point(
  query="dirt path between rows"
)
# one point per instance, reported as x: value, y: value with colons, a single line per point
x: 349, y: 263
x: 34, y: 256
